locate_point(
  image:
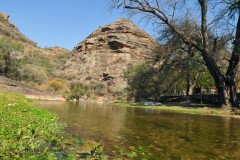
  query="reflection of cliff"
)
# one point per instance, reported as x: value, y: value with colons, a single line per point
x: 91, y: 120
x: 98, y: 120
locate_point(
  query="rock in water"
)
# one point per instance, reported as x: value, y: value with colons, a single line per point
x: 102, y: 58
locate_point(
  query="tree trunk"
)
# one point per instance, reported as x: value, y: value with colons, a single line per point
x: 223, y: 94
x: 223, y: 87
x: 227, y: 95
x: 190, y: 86
x: 233, y: 66
x: 233, y: 93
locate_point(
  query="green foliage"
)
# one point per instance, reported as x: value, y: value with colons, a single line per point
x: 33, y: 73
x: 38, y: 68
x: 39, y: 60
x: 197, y: 109
x: 131, y: 153
x: 205, y: 80
x: 78, y: 90
x: 97, y: 151
x: 56, y: 84
x: 10, y: 53
x: 94, y: 88
x: 27, y: 132
x: 173, y: 77
x: 142, y: 82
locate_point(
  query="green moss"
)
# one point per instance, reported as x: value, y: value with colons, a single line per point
x: 191, y: 110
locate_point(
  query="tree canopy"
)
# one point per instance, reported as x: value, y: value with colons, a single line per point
x: 219, y: 19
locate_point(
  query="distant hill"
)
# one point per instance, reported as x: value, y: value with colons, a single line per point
x: 100, y: 60
x: 21, y: 59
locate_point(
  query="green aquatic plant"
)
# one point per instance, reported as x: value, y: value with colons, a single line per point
x: 130, y: 153
x: 29, y: 132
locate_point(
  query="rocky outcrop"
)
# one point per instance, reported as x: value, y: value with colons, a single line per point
x: 4, y: 16
x: 105, y: 55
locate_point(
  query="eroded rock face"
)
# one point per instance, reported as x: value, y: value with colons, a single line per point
x: 4, y: 16
x: 105, y: 55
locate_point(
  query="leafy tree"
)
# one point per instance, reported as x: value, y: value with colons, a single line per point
x: 10, y: 53
x: 177, y: 75
x: 169, y: 12
x: 143, y: 83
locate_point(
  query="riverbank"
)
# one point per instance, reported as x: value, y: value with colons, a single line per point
x: 46, y: 97
x: 29, y: 132
x: 188, y: 108
x: 9, y: 85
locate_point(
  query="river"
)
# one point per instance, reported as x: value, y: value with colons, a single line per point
x: 165, y: 135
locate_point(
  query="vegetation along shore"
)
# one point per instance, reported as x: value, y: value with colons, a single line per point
x: 29, y: 132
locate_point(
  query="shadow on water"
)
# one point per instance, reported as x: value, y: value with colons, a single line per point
x: 168, y: 135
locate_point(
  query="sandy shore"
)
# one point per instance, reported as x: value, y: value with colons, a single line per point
x: 46, y: 97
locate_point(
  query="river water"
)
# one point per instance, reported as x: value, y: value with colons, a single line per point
x: 165, y: 135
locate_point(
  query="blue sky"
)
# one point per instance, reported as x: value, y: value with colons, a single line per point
x: 62, y: 23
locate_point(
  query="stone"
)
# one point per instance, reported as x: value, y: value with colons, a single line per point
x: 4, y: 16
x: 107, y: 53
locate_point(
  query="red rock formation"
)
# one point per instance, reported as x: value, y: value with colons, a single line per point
x: 105, y: 55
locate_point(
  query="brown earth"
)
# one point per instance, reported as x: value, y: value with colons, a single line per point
x: 9, y: 85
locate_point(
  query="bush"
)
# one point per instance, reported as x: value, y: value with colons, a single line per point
x: 32, y: 73
x: 10, y: 53
x: 56, y: 85
x: 143, y: 82
x: 98, y: 88
x: 78, y: 90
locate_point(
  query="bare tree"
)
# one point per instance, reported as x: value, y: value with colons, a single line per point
x: 165, y: 11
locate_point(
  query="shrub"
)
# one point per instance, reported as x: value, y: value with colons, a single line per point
x: 56, y: 85
x: 99, y: 88
x: 143, y: 82
x: 32, y: 73
x: 78, y: 90
x: 10, y: 53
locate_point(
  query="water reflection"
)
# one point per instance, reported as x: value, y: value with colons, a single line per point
x: 170, y: 135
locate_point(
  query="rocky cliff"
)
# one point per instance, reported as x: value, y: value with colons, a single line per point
x: 105, y: 55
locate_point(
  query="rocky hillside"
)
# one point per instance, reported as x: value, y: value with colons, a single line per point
x: 21, y: 58
x: 102, y: 58
x: 8, y: 29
